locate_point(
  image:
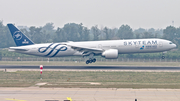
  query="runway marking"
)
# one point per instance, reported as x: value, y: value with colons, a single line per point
x: 68, y: 98
x: 14, y: 99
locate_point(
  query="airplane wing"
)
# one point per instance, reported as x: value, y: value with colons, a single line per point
x: 86, y: 50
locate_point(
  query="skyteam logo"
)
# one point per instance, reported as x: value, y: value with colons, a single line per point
x: 51, y: 49
x: 17, y: 35
x: 142, y: 48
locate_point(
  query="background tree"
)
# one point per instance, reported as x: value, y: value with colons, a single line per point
x: 177, y: 38
x: 83, y: 32
x: 96, y: 32
x: 49, y: 27
x: 60, y: 35
x: 106, y: 31
x: 125, y: 32
x: 138, y: 35
x: 72, y: 31
x: 113, y: 34
x: 147, y: 35
x: 36, y: 34
x: 151, y: 30
x: 169, y: 33
x: 5, y: 36
x: 48, y: 32
x: 86, y: 33
x: 139, y: 31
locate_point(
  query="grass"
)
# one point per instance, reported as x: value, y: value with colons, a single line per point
x: 61, y: 63
x: 84, y: 79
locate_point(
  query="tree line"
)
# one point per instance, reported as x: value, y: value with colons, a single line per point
x: 78, y: 32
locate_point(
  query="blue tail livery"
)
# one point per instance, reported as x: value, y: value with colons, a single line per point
x: 19, y: 38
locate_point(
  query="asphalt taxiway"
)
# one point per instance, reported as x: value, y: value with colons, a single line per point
x: 92, y: 67
x: 88, y: 94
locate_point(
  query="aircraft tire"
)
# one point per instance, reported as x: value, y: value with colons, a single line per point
x: 90, y: 61
x: 87, y: 62
x: 163, y: 57
x: 94, y: 60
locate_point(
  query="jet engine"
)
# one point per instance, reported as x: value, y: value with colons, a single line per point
x: 110, y: 54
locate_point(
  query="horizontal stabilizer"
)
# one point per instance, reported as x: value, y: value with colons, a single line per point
x: 17, y: 49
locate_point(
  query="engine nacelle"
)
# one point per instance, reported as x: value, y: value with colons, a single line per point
x: 110, y: 54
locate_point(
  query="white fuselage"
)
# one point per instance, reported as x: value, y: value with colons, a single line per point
x: 123, y: 47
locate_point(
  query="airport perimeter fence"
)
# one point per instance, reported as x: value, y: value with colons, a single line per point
x: 70, y: 59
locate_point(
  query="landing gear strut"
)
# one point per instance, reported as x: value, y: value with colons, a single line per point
x: 163, y: 57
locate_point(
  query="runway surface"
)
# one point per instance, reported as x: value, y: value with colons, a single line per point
x: 92, y: 67
x: 88, y: 94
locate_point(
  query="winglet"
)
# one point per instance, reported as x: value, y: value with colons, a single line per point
x: 19, y: 38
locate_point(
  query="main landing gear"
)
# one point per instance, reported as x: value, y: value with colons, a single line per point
x: 90, y: 61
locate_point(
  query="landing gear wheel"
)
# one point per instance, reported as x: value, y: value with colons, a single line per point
x: 163, y: 57
x: 94, y: 60
x: 90, y: 61
x: 87, y: 62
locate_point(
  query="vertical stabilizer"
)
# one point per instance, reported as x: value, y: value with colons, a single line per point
x: 19, y: 38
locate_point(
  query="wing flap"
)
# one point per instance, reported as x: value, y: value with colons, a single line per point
x: 86, y: 50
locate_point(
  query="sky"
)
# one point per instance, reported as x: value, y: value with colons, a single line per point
x: 110, y: 13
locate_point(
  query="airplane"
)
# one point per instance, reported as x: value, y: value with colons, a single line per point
x: 109, y: 49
